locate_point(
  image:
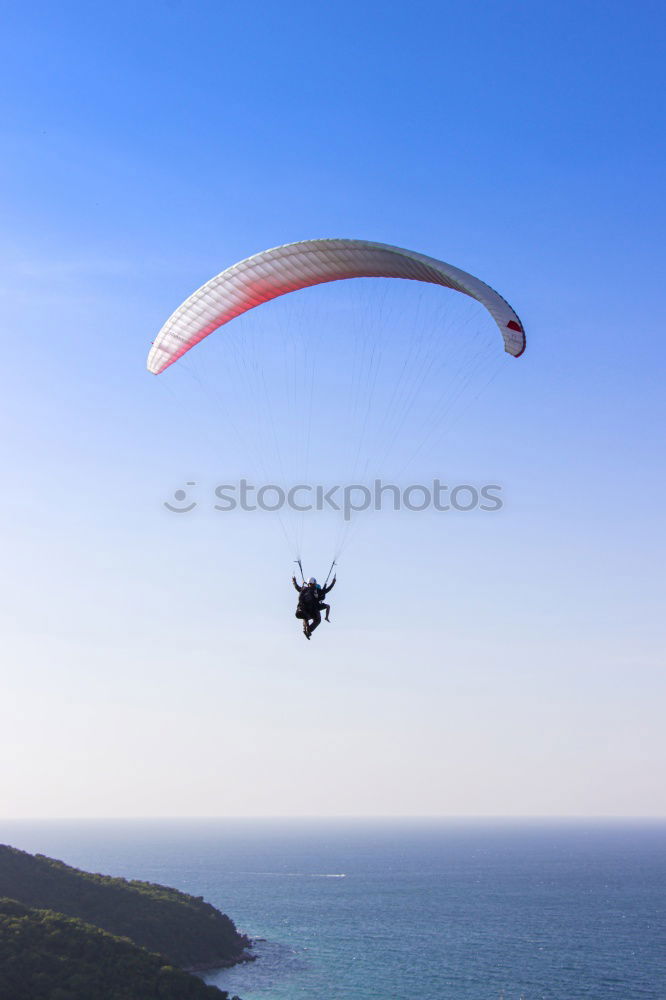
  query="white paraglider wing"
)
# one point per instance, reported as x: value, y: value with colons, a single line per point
x: 287, y: 268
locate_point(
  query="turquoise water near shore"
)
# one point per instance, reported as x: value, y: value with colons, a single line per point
x: 407, y: 910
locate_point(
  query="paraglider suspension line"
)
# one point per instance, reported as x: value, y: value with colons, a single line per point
x: 329, y: 572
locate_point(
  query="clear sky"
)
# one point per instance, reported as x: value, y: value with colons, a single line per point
x: 507, y: 666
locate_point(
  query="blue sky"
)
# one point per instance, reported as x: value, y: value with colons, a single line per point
x: 510, y: 666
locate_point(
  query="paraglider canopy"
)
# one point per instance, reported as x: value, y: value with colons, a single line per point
x: 283, y: 269
x: 388, y: 380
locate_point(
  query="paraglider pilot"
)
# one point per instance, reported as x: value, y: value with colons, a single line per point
x: 311, y: 603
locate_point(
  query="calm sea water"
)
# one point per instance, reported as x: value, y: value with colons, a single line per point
x: 407, y: 910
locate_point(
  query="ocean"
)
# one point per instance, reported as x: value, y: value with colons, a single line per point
x: 406, y: 910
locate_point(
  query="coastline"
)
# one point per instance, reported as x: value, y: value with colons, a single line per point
x: 225, y: 963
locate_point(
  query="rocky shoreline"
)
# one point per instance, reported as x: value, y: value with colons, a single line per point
x: 225, y: 963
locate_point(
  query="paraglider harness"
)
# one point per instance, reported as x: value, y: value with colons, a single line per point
x: 308, y: 602
x: 311, y: 598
